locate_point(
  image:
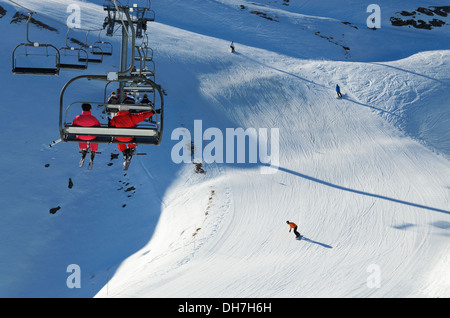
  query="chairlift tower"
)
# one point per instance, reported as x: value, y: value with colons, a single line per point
x: 147, y: 133
x: 138, y: 23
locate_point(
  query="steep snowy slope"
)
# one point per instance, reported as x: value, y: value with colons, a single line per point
x: 363, y: 193
x: 366, y: 178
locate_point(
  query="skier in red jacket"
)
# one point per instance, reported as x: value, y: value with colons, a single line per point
x: 86, y: 120
x: 124, y: 119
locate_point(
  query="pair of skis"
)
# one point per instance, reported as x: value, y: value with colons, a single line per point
x: 125, y: 165
x: 130, y: 153
x: 83, y: 158
x: 126, y: 159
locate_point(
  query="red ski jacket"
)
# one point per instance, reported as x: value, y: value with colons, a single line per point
x: 124, y: 119
x: 86, y: 120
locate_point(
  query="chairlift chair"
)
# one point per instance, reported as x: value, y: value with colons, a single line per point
x: 145, y: 53
x: 70, y: 57
x: 143, y: 11
x: 149, y: 133
x: 36, y: 53
x: 141, y: 89
x: 88, y: 59
x: 95, y: 50
x: 101, y: 47
x: 69, y: 52
x: 146, y: 63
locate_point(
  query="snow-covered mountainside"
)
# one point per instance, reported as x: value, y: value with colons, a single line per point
x: 366, y: 178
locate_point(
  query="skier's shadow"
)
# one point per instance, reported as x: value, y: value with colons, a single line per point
x: 315, y: 242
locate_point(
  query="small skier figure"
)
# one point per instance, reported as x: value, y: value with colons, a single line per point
x: 338, y: 91
x: 293, y: 226
x: 232, y: 47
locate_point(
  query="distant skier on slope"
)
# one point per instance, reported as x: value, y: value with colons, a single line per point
x: 294, y: 227
x: 338, y: 91
x: 232, y: 47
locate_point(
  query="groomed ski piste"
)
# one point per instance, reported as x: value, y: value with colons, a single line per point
x: 366, y: 177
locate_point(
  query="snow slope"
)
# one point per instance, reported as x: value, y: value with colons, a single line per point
x: 366, y: 178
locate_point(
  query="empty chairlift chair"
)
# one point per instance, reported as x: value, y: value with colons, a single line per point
x: 70, y: 57
x: 146, y: 64
x: 73, y: 58
x: 35, y: 58
x: 95, y: 50
x: 101, y: 47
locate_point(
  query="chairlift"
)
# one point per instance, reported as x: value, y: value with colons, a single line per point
x: 87, y: 59
x: 95, y: 50
x: 26, y: 55
x: 70, y: 57
x: 72, y: 53
x: 145, y: 53
x: 143, y: 16
x: 144, y: 133
x: 146, y: 63
x: 149, y: 133
x: 148, y: 15
x: 101, y: 47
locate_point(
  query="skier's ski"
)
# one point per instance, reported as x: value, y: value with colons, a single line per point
x: 126, y: 162
x: 83, y: 157
x: 54, y: 142
x: 130, y: 152
x: 299, y: 237
x: 91, y: 162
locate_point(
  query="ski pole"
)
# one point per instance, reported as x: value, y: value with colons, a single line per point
x: 54, y: 142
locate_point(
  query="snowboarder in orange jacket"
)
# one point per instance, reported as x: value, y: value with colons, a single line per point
x: 294, y: 227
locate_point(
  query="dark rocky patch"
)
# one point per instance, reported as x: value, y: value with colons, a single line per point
x: 2, y: 12
x: 416, y: 17
x: 54, y: 210
x: 19, y: 17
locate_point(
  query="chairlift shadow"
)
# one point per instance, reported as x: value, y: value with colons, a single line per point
x: 359, y: 192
